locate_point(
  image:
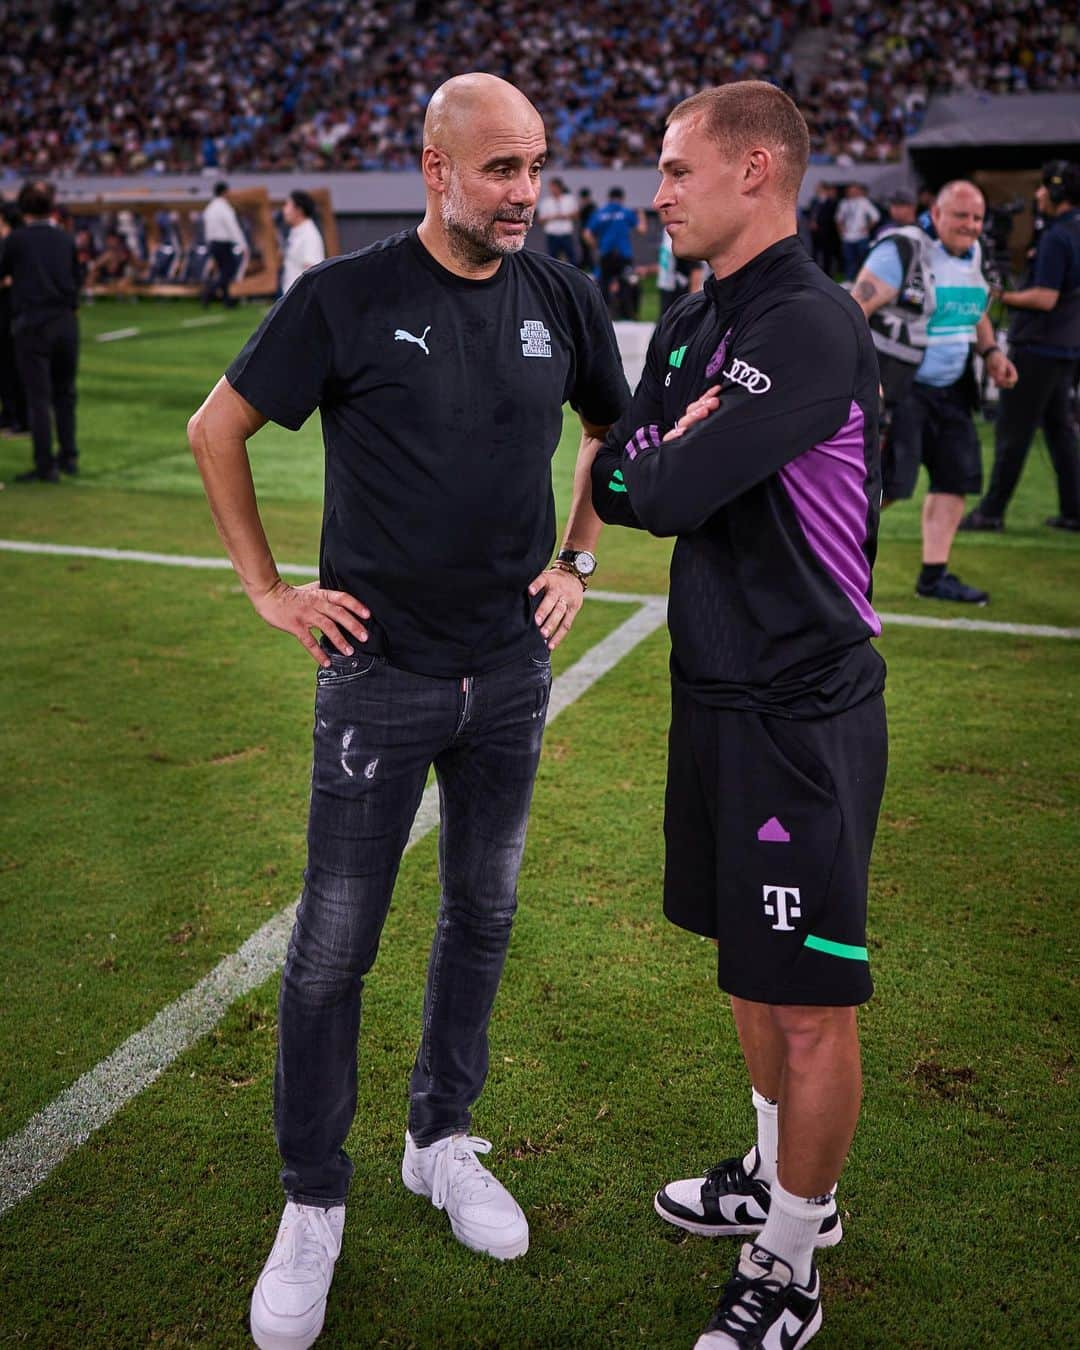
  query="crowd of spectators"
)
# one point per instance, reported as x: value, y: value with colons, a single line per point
x: 187, y: 85
x: 885, y: 59
x: 308, y: 85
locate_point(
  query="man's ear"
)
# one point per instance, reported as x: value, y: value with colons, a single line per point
x: 435, y: 167
x: 757, y: 167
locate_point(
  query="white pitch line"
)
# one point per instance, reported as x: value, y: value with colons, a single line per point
x: 979, y: 626
x: 137, y: 556
x: 616, y: 597
x: 205, y: 322
x: 223, y: 564
x: 31, y: 1154
x: 118, y: 334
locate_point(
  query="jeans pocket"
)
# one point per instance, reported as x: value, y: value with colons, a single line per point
x: 344, y: 669
x: 543, y: 688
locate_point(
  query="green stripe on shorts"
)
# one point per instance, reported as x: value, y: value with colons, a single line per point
x: 843, y: 949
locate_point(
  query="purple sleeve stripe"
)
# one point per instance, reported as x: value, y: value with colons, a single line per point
x: 826, y: 486
x: 645, y: 438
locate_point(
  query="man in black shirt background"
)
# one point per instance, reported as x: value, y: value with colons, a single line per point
x: 1044, y: 343
x: 40, y: 259
x: 12, y: 396
x: 753, y: 438
x: 439, y: 360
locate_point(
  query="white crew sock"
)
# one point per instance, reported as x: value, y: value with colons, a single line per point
x: 791, y: 1229
x: 767, y: 1132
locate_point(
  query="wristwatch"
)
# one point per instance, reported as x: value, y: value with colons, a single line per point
x: 579, y: 561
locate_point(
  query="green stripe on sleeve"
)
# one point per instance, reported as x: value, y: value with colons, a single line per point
x: 843, y: 949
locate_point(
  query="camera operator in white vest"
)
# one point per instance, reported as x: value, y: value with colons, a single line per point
x: 926, y: 301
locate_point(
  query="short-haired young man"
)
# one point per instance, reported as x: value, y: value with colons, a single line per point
x: 753, y: 438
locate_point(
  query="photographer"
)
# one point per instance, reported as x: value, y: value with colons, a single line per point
x: 926, y: 302
x: 1044, y: 341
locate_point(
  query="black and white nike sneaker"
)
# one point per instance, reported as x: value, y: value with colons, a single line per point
x: 761, y: 1308
x: 729, y: 1202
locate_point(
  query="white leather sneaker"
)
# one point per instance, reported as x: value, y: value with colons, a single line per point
x: 289, y: 1303
x: 483, y: 1214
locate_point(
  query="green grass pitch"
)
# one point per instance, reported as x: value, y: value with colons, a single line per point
x: 155, y: 751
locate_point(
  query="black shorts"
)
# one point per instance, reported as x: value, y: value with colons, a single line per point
x: 769, y: 823
x: 932, y: 427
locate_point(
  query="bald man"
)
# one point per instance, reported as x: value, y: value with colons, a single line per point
x: 926, y: 299
x: 439, y: 361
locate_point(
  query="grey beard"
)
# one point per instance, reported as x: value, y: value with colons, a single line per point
x: 473, y: 244
x: 473, y: 247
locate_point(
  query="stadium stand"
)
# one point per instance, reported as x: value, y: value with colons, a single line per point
x: 187, y: 85
x: 885, y: 61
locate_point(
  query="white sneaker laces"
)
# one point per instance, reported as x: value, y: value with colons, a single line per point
x: 309, y: 1242
x: 456, y: 1165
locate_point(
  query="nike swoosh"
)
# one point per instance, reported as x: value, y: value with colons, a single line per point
x: 743, y: 1215
x: 787, y: 1340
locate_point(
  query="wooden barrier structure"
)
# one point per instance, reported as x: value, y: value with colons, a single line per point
x: 254, y: 206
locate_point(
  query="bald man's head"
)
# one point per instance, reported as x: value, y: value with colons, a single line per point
x: 464, y: 107
x: 958, y: 213
x: 484, y: 146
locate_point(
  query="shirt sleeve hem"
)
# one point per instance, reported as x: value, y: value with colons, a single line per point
x: 270, y: 409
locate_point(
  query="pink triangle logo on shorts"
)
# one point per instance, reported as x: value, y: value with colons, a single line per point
x: 772, y: 832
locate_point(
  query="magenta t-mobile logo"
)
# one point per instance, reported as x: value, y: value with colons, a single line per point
x: 781, y: 904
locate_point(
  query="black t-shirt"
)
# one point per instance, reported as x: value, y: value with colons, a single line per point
x: 40, y: 259
x: 774, y: 497
x: 441, y: 402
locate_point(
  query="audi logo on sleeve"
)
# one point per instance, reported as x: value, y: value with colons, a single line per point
x: 754, y: 381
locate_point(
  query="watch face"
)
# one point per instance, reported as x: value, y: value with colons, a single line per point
x: 585, y: 562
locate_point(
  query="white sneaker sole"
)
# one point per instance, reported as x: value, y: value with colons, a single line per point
x: 829, y: 1239
x: 713, y: 1338
x: 268, y: 1337
x: 500, y: 1251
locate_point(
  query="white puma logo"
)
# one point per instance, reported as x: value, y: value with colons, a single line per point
x: 400, y: 335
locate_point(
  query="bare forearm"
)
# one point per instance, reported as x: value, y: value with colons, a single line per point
x: 870, y: 292
x: 583, y: 525
x: 218, y: 439
x: 984, y: 335
x: 1035, y: 297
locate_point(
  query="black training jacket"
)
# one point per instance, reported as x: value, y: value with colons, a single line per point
x: 774, y: 498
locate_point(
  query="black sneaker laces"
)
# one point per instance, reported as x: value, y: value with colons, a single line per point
x: 727, y: 1177
x: 747, y: 1308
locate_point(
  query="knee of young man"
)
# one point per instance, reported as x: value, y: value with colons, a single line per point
x: 807, y: 1029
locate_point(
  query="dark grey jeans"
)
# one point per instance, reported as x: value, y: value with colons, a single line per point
x: 378, y: 730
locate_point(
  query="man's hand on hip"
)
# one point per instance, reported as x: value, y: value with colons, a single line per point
x: 563, y: 597
x: 299, y: 609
